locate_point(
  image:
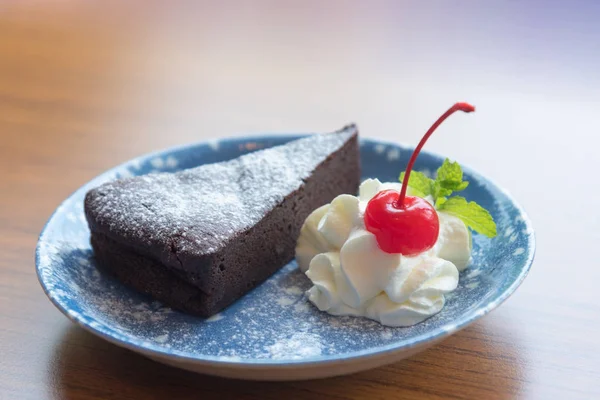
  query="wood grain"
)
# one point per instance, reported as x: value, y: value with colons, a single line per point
x: 87, y: 85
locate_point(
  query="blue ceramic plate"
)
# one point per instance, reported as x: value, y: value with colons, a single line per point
x: 273, y: 333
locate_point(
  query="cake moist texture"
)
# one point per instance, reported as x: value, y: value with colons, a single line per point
x: 201, y: 238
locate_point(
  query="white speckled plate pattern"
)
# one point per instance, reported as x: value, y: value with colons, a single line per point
x: 273, y: 333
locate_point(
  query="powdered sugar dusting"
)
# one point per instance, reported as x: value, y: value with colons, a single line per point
x: 300, y: 345
x: 216, y: 317
x: 285, y: 301
x: 302, y: 307
x: 294, y: 290
x: 162, y: 338
x: 211, y: 202
x: 474, y: 273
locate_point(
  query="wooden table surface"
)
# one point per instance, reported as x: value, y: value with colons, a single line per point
x: 87, y: 85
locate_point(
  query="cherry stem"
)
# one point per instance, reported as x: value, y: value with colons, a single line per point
x: 465, y: 107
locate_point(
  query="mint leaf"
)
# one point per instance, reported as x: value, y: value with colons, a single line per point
x: 440, y: 202
x: 449, y: 171
x: 471, y: 213
x: 419, y: 182
x: 450, y: 177
x: 439, y: 191
x: 455, y: 186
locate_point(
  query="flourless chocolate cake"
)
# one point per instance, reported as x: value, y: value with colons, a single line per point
x: 201, y: 238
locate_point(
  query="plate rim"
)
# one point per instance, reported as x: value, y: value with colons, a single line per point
x: 148, y: 348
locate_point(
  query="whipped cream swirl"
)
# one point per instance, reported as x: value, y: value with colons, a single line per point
x: 351, y: 275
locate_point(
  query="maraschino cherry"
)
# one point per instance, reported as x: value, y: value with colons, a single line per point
x: 407, y: 224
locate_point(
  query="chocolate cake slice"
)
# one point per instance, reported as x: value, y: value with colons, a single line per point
x: 201, y: 238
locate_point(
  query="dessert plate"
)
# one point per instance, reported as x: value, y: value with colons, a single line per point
x: 274, y: 333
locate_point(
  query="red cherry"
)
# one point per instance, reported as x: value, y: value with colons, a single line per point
x: 406, y: 224
x: 409, y: 230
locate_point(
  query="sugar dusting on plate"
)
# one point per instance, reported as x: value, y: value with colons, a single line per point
x: 299, y: 345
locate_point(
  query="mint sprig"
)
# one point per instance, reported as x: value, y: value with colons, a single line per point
x: 449, y: 179
x: 472, y: 214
